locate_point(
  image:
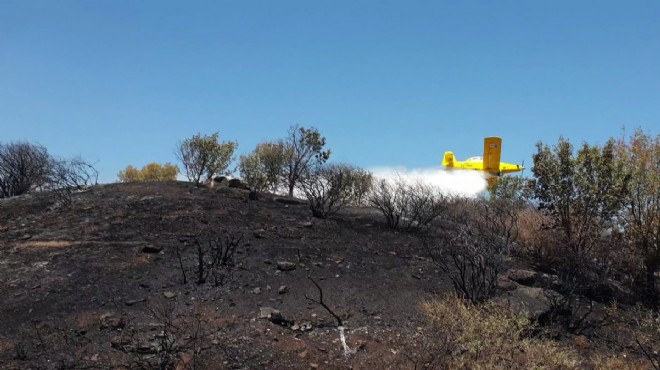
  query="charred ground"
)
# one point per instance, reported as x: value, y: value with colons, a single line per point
x: 99, y: 284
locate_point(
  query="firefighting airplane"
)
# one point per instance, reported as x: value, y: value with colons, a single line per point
x: 489, y: 163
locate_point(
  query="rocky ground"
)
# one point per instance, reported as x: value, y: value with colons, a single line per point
x: 100, y: 284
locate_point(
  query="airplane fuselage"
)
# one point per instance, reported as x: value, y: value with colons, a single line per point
x: 477, y: 164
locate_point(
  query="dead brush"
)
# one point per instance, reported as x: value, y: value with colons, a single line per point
x: 213, y: 254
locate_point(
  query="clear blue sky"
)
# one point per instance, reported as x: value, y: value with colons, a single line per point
x: 389, y: 83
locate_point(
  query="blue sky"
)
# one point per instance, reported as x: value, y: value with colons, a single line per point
x: 389, y: 83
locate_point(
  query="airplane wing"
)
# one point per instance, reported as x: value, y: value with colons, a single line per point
x: 492, y: 151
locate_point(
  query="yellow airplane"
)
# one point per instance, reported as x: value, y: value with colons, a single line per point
x: 489, y: 163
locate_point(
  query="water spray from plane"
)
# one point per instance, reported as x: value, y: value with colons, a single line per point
x: 460, y: 183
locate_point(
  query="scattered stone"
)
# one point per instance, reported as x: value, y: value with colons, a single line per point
x: 416, y: 276
x: 295, y: 327
x: 260, y: 234
x: 119, y: 342
x: 169, y: 295
x: 256, y: 290
x: 94, y: 358
x: 286, y: 266
x: 305, y: 326
x: 146, y: 349
x: 313, y: 366
x: 150, y: 249
x: 275, y: 316
x: 306, y: 224
x: 25, y: 237
x: 112, y: 323
x: 283, y: 289
x: 266, y: 312
x: 135, y: 301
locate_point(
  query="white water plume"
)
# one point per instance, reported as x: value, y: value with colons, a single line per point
x: 453, y: 182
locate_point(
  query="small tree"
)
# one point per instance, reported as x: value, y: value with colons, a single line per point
x: 583, y: 194
x: 641, y: 158
x: 205, y: 156
x: 262, y: 168
x: 23, y: 167
x: 303, y: 150
x: 150, y: 172
x: 332, y: 187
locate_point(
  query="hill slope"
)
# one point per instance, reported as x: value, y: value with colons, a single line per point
x: 101, y: 284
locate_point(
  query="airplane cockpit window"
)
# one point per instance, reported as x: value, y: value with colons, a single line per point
x: 475, y: 159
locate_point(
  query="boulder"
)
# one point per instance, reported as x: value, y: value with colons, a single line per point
x: 237, y: 184
x: 527, y: 301
x: 523, y: 277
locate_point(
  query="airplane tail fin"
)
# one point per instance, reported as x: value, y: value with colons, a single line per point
x: 448, y: 160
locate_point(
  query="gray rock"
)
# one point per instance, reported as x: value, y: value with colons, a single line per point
x: 135, y: 301
x: 286, y: 266
x: 527, y: 301
x: 169, y: 295
x: 504, y: 283
x: 119, y: 341
x: 267, y: 312
x: 110, y: 322
x: 523, y: 277
x: 283, y: 289
x: 237, y: 184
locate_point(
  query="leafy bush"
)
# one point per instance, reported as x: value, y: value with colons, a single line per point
x: 262, y: 168
x: 150, y: 172
x: 407, y: 206
x: 332, y: 187
x: 205, y: 156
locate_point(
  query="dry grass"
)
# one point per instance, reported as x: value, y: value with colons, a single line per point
x: 493, y: 337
